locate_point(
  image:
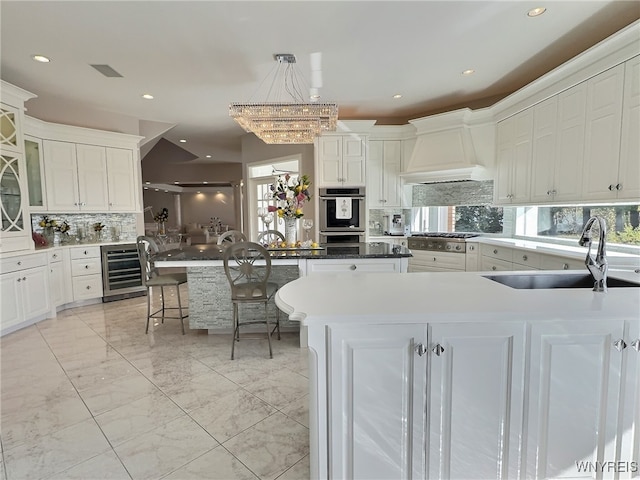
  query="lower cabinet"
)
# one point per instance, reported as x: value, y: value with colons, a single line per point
x: 477, y: 399
x: 86, y: 273
x: 24, y: 291
x: 356, y: 265
x: 59, y: 274
x: 427, y: 261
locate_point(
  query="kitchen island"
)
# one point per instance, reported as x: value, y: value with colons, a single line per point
x: 454, y: 375
x: 209, y: 294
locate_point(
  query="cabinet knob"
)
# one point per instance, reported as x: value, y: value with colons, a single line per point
x: 637, y: 270
x: 24, y: 279
x: 88, y: 287
x: 548, y: 192
x: 434, y: 259
x: 471, y: 248
x: 19, y: 263
x: 55, y: 255
x: 420, y: 349
x: 524, y: 258
x: 438, y: 349
x: 619, y: 186
x: 19, y: 279
x: 636, y: 345
x: 87, y: 267
x: 620, y: 344
x: 353, y: 267
x: 85, y: 252
x: 495, y: 251
x: 565, y: 266
x: 494, y: 268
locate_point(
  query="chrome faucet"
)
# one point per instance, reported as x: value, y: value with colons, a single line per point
x: 597, y: 266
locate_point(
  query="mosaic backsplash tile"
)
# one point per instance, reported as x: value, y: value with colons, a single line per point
x: 453, y: 194
x: 118, y: 226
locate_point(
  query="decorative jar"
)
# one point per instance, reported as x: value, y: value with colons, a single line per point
x: 290, y: 230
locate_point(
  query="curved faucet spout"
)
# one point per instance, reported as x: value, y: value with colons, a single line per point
x: 597, y: 266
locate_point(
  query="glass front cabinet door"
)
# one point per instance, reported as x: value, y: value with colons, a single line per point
x: 9, y: 129
x: 34, y: 173
x: 14, y: 232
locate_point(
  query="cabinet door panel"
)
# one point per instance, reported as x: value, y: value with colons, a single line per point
x: 35, y: 285
x: 602, y: 138
x: 11, y: 304
x: 629, y: 176
x: 544, y: 150
x: 385, y: 378
x: 521, y: 174
x: 476, y: 398
x: 375, y: 169
x: 575, y: 383
x: 122, y: 180
x: 353, y: 161
x: 330, y: 160
x: 392, y: 187
x: 61, y: 175
x: 92, y: 178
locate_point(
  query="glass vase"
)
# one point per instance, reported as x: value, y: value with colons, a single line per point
x: 161, y: 229
x: 49, y: 235
x: 290, y: 230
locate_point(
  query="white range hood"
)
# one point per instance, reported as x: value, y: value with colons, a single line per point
x: 454, y: 146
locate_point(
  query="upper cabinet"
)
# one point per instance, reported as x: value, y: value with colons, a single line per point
x: 514, y: 159
x: 121, y: 180
x: 341, y: 160
x: 15, y: 227
x: 582, y: 145
x: 384, y: 163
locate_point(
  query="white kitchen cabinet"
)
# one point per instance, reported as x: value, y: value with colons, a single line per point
x: 472, y: 257
x: 354, y: 265
x: 76, y: 177
x: 513, y: 167
x: 557, y: 262
x: 24, y: 289
x: 59, y: 275
x: 384, y: 163
x: 545, y: 116
x: 602, y: 135
x: 476, y: 384
x: 341, y: 160
x: 380, y: 403
x: 86, y: 273
x: 429, y: 261
x: 122, y: 180
x: 574, y: 396
x: 629, y: 168
x: 35, y: 173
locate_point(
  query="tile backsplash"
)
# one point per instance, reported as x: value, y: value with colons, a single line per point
x: 377, y: 219
x: 118, y: 226
x: 453, y: 194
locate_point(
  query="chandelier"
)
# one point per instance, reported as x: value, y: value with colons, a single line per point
x: 292, y: 120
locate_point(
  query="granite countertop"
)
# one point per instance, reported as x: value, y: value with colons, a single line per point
x: 198, y: 253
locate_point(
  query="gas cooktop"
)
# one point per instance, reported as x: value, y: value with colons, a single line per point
x: 461, y: 235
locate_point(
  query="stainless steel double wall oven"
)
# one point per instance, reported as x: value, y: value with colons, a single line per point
x: 342, y: 214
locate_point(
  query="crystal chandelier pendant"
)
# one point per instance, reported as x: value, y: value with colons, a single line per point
x: 282, y: 122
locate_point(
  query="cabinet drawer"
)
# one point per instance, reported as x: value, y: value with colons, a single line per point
x: 437, y: 261
x: 502, y: 253
x: 22, y: 262
x: 495, y: 264
x: 86, y: 287
x: 338, y: 266
x: 551, y: 262
x: 55, y: 256
x: 526, y: 259
x: 85, y: 252
x: 86, y: 266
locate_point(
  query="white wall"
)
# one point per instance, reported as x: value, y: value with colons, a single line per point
x: 200, y: 207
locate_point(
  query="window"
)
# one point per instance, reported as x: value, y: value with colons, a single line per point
x: 477, y: 218
x: 566, y: 222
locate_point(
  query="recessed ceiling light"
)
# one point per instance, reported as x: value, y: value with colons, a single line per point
x: 534, y: 12
x: 148, y: 183
x: 205, y: 182
x: 176, y: 183
x: 41, y: 58
x: 147, y: 96
x: 157, y: 189
x: 183, y: 140
x: 469, y: 71
x: 397, y: 95
x: 315, y: 97
x: 146, y: 188
x: 208, y: 156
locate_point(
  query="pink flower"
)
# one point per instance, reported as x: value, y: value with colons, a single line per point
x: 272, y: 208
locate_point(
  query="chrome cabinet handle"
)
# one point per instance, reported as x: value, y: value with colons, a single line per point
x: 620, y: 344
x: 636, y: 345
x: 610, y: 187
x: 619, y: 186
x: 438, y: 349
x: 420, y: 349
x: 353, y: 267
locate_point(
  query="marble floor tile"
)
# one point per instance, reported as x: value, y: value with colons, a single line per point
x: 138, y: 417
x: 300, y: 471
x: 103, y: 373
x: 106, y: 466
x: 164, y: 449
x: 231, y: 414
x: 24, y: 425
x: 279, y: 388
x: 298, y: 410
x: 201, y: 391
x: 175, y: 373
x: 272, y: 446
x: 217, y: 464
x: 51, y: 454
x: 105, y: 397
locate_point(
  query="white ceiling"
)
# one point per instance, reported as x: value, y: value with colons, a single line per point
x: 197, y: 57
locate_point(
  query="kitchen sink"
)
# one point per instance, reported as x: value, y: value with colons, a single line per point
x: 555, y: 280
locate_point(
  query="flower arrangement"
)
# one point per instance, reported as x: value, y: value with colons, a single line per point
x: 47, y: 222
x: 290, y: 195
x: 97, y: 227
x: 64, y: 227
x: 161, y: 216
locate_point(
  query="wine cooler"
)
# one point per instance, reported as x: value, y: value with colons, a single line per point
x: 121, y: 273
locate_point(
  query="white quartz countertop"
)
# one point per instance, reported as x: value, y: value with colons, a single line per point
x: 455, y: 296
